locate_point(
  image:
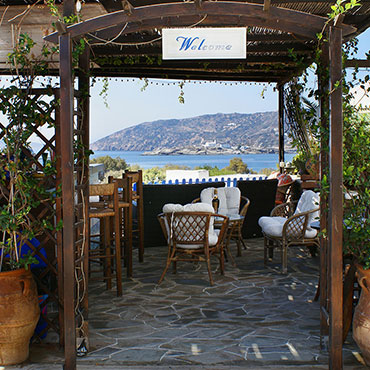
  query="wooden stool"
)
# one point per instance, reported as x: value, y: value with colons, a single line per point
x: 105, y: 209
x: 137, y: 195
x: 125, y: 205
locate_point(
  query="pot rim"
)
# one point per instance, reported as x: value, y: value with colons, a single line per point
x: 19, y: 271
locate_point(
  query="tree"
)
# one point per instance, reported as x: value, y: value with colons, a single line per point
x: 176, y: 167
x: 154, y: 174
x: 111, y: 164
x: 237, y: 165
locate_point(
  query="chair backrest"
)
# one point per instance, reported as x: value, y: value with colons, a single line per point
x: 190, y: 222
x: 102, y: 189
x: 309, y: 201
x: 229, y: 199
x: 189, y: 228
x: 137, y: 181
x: 124, y: 187
x: 107, y: 192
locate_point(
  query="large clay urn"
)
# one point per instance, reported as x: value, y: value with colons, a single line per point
x: 361, y: 318
x: 19, y: 313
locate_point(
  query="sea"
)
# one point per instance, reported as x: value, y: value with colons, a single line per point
x: 255, y: 162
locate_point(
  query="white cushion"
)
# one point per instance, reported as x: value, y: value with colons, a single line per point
x: 196, y: 207
x: 229, y: 199
x: 273, y: 226
x: 308, y: 201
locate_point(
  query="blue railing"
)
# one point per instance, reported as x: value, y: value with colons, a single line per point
x: 230, y: 182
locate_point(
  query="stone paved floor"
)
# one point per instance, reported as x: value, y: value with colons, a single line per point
x: 252, y: 317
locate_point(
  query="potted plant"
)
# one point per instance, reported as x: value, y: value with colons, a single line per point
x: 21, y: 193
x: 356, y: 177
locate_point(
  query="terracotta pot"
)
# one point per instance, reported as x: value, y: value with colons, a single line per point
x: 361, y: 318
x: 19, y: 313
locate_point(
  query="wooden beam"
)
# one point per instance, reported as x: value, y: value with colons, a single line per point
x: 195, y: 73
x: 278, y: 62
x: 148, y: 2
x: 66, y: 133
x: 336, y: 201
x: 164, y: 69
x: 361, y: 21
x: 184, y: 76
x: 338, y: 20
x: 112, y: 32
x: 266, y: 5
x: 357, y: 63
x: 127, y: 7
x: 68, y: 7
x: 287, y: 20
x: 111, y: 5
x: 217, y: 20
x: 298, y: 48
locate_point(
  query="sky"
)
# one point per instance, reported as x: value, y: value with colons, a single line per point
x: 128, y: 105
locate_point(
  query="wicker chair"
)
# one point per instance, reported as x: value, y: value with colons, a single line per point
x: 190, y: 237
x: 289, y: 225
x: 231, y: 203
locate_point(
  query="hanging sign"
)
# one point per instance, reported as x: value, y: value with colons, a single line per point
x: 204, y: 43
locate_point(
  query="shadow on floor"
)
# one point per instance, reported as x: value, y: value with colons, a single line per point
x: 252, y: 317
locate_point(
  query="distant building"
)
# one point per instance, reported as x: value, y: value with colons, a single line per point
x: 96, y: 172
x: 210, y: 144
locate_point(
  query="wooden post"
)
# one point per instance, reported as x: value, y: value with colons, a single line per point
x: 59, y: 217
x: 323, y: 79
x: 281, y: 126
x: 84, y: 90
x: 66, y: 132
x: 336, y: 201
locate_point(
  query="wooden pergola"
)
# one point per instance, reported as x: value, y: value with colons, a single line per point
x: 124, y: 40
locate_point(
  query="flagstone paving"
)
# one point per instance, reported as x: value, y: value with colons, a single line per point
x: 252, y: 317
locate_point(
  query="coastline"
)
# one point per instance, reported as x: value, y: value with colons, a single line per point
x: 255, y: 162
x: 210, y: 151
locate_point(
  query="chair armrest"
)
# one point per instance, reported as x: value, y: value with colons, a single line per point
x: 295, y: 226
x: 284, y: 209
x: 161, y: 218
x: 244, y: 209
x: 197, y: 200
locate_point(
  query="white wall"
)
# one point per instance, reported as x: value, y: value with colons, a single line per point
x: 186, y: 174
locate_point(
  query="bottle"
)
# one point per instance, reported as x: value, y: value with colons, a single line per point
x: 215, y: 201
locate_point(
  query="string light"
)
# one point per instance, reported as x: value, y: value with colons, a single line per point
x: 48, y: 80
x: 194, y: 82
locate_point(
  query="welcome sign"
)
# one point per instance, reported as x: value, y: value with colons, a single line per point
x: 204, y: 43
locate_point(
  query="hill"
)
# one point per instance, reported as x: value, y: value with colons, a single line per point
x: 229, y: 131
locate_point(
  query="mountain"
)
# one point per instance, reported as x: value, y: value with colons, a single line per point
x: 229, y: 130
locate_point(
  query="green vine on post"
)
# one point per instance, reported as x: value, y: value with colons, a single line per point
x: 25, y: 184
x: 356, y: 141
